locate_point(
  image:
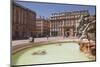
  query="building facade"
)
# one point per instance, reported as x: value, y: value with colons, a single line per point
x: 66, y: 23
x: 42, y: 27
x: 23, y: 22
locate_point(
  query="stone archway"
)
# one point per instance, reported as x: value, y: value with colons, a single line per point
x: 68, y: 31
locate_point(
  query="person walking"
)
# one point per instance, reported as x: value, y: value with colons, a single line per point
x: 32, y: 38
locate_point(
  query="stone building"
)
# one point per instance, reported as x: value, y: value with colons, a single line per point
x: 23, y: 22
x: 42, y: 27
x: 66, y: 23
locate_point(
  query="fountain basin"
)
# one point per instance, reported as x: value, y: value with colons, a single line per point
x: 55, y: 53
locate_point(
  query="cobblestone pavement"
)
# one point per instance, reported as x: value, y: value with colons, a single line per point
x: 19, y: 42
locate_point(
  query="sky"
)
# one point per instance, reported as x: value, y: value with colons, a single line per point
x: 46, y: 9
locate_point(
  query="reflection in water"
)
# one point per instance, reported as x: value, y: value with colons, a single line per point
x: 66, y: 52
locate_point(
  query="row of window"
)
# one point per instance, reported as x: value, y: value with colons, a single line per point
x: 66, y: 17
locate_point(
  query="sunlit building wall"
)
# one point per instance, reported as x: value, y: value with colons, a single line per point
x: 23, y: 22
x: 65, y: 23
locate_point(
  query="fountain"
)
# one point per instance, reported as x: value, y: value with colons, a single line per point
x: 87, y: 44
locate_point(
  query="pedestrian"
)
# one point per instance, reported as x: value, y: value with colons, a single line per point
x: 33, y: 39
